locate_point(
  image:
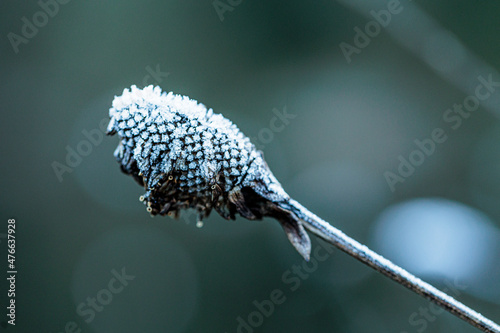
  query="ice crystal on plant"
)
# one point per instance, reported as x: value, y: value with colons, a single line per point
x: 187, y: 156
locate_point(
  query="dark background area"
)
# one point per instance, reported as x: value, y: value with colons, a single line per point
x: 79, y: 222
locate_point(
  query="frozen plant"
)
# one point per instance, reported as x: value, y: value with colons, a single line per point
x: 187, y: 156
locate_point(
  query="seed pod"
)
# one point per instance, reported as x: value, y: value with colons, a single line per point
x: 186, y: 156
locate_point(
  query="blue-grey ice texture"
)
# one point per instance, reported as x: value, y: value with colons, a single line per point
x: 187, y: 156
x: 173, y: 133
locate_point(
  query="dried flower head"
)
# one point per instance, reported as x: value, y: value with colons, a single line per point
x: 186, y: 156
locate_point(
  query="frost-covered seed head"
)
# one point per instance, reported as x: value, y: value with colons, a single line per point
x: 185, y: 155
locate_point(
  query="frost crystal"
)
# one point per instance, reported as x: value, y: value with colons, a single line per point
x: 187, y: 156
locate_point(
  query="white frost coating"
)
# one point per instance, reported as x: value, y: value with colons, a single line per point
x: 168, y: 133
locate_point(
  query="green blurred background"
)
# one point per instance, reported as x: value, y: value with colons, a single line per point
x: 77, y: 228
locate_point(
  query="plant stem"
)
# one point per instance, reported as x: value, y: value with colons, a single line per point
x: 359, y: 251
